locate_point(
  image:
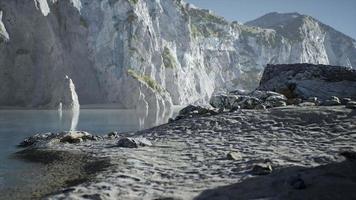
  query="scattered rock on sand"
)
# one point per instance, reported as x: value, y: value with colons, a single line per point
x: 253, y: 100
x: 75, y: 137
x: 307, y: 104
x: 344, y: 101
x: 113, y: 135
x: 333, y: 101
x: 133, y: 142
x: 62, y: 137
x: 194, y: 110
x: 351, y: 105
x: 261, y: 169
x: 234, y: 156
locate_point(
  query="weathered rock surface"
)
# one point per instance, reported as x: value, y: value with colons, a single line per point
x: 133, y: 142
x: 56, y: 138
x: 149, y: 54
x: 253, y: 100
x: 308, y: 80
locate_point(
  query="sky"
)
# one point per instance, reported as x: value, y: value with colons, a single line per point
x: 339, y: 14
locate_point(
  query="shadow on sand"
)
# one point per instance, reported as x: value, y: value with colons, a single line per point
x: 331, y: 181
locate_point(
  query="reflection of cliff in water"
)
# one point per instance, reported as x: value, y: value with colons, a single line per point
x: 105, y: 119
x: 151, y: 118
x: 68, y: 119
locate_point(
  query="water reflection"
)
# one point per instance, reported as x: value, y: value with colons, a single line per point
x: 69, y: 119
x: 15, y: 125
x: 150, y: 118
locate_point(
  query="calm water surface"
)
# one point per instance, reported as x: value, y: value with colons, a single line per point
x: 15, y: 125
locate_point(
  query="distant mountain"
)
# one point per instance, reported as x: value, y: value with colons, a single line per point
x: 148, y: 54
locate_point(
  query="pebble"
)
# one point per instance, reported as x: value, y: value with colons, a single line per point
x: 261, y: 170
x: 234, y: 156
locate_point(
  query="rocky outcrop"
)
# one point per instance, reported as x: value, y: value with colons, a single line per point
x: 254, y: 100
x: 149, y: 54
x: 65, y: 96
x: 327, y: 83
x: 48, y: 139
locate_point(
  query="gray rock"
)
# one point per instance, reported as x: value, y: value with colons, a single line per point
x: 253, y: 100
x: 307, y: 104
x: 195, y: 110
x: 250, y: 103
x: 113, y: 135
x: 234, y: 156
x: 259, y: 170
x: 344, y: 101
x: 75, y: 137
x: 333, y: 101
x: 351, y: 105
x: 62, y: 137
x: 133, y: 142
x: 308, y: 80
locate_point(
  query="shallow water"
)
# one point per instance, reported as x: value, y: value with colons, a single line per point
x: 15, y: 125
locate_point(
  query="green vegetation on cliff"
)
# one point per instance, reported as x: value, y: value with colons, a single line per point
x: 145, y: 79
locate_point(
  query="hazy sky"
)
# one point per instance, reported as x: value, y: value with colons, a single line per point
x: 340, y: 14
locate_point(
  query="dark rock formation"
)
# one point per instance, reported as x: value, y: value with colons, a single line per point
x: 308, y: 80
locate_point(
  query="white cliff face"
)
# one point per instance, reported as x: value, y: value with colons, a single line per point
x: 150, y: 54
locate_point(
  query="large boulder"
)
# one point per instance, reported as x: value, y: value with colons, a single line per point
x: 196, y: 110
x: 308, y: 80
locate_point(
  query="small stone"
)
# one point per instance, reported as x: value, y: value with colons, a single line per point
x: 351, y: 105
x: 127, y: 143
x: 133, y: 142
x: 74, y: 137
x: 332, y: 102
x: 344, y: 101
x: 234, y: 156
x: 334, y: 98
x: 305, y: 104
x: 261, y: 170
x: 113, y: 134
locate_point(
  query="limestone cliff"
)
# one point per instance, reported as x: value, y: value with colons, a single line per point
x: 149, y: 53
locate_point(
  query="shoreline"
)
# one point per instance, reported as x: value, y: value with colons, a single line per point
x: 189, y: 156
x: 84, y: 107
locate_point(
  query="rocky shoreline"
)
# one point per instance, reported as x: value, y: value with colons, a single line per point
x: 191, y: 155
x: 273, y: 144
